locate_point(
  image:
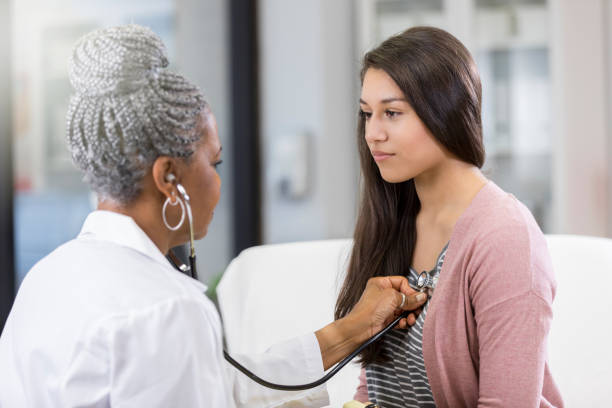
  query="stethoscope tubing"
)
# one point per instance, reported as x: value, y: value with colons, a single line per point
x: 326, y: 377
x: 246, y: 371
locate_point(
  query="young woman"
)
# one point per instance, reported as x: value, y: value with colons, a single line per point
x: 480, y: 340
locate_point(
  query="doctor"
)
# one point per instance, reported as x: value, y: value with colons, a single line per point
x: 105, y: 320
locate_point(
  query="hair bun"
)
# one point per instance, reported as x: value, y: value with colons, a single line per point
x: 116, y: 60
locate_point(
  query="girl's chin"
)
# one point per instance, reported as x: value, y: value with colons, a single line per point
x: 393, y: 178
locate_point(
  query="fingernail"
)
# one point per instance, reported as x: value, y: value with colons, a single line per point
x: 421, y: 296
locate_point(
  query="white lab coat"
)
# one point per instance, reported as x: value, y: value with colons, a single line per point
x: 106, y: 321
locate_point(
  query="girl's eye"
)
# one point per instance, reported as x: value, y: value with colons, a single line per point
x: 365, y: 115
x: 217, y: 164
x: 391, y: 114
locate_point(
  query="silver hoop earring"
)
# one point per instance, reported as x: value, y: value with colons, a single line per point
x: 173, y: 204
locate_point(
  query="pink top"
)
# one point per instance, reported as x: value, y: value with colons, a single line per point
x: 485, y: 334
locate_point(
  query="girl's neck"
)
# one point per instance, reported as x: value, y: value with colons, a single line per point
x: 446, y: 191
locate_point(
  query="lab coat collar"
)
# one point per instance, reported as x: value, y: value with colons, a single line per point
x: 122, y: 230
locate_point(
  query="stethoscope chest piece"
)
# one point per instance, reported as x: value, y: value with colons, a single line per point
x: 426, y: 282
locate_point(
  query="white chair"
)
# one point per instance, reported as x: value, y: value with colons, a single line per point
x: 275, y: 292
x: 580, y: 342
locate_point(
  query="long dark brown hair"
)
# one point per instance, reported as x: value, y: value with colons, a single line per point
x: 439, y: 79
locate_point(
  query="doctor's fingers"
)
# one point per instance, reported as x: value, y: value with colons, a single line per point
x: 410, y: 302
x: 399, y: 283
x: 410, y: 320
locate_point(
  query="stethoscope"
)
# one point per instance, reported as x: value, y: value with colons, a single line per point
x: 425, y: 282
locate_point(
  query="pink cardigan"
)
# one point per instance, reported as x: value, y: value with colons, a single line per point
x: 485, y: 334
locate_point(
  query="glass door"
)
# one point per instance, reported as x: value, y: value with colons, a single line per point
x: 50, y: 199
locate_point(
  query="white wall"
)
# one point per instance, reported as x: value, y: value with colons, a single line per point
x: 581, y: 136
x: 309, y: 86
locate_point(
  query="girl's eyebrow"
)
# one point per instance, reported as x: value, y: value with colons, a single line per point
x: 386, y: 100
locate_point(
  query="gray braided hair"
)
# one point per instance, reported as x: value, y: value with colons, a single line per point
x: 127, y: 109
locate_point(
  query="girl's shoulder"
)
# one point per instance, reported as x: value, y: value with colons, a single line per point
x: 493, y: 213
x: 498, y: 242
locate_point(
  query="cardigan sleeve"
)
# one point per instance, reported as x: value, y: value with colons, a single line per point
x: 512, y: 348
x: 511, y: 291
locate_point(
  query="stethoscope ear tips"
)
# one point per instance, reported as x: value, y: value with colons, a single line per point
x: 171, y: 178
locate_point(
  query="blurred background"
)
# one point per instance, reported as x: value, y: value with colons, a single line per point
x: 282, y: 79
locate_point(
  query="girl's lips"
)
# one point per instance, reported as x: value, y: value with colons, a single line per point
x: 380, y: 156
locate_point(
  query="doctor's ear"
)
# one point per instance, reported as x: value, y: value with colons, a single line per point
x: 166, y: 175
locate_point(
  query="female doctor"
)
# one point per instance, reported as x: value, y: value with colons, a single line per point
x: 105, y: 320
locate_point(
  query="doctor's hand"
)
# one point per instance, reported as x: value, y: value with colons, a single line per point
x: 380, y: 303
